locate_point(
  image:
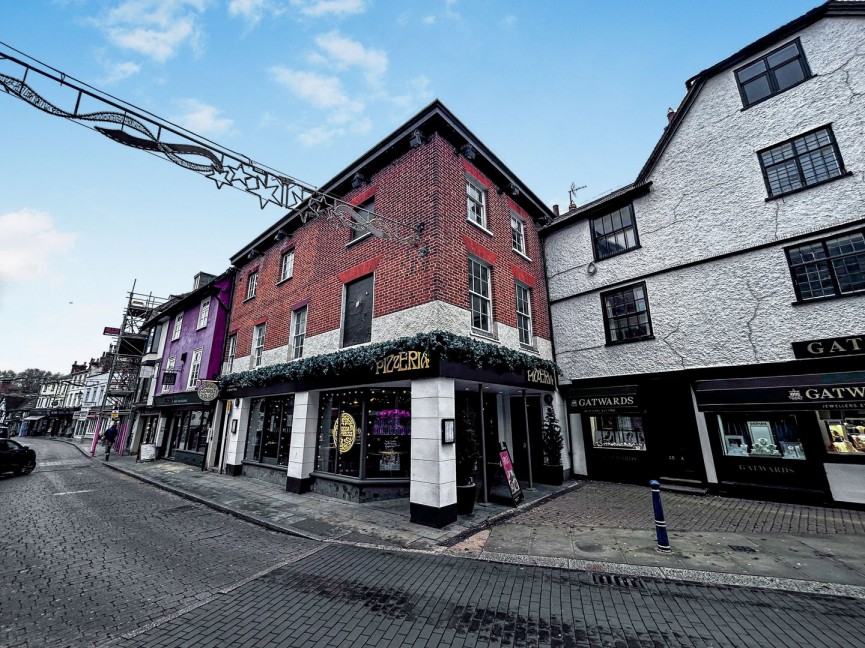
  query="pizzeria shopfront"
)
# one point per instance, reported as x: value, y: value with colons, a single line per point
x: 799, y: 436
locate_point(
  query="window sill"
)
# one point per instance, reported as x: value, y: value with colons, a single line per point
x: 282, y: 281
x: 200, y: 328
x: 270, y: 466
x: 816, y: 300
x: 529, y: 349
x: 521, y: 254
x: 359, y: 239
x: 618, y: 342
x: 480, y: 227
x: 846, y: 174
x: 348, y: 479
x: 484, y: 335
x: 248, y: 299
x: 623, y: 448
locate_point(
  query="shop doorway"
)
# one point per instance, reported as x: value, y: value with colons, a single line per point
x: 527, y: 448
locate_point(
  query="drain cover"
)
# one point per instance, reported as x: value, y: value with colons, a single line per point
x: 618, y: 581
x: 742, y: 548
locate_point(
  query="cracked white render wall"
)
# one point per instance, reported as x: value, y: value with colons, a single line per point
x: 708, y: 198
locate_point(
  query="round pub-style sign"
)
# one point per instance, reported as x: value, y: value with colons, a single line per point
x: 208, y: 391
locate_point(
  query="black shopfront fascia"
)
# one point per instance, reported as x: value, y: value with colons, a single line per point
x: 663, y: 404
x: 797, y: 398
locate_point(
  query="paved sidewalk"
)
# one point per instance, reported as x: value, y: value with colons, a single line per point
x: 588, y: 526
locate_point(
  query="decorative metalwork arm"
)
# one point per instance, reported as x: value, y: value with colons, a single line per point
x: 134, y: 127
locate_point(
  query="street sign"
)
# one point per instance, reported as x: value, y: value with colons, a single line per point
x: 110, y: 330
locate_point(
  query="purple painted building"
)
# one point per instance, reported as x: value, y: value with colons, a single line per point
x: 184, y: 348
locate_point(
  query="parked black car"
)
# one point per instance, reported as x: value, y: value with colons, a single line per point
x: 16, y: 458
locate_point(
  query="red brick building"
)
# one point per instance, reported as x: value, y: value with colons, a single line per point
x: 348, y: 344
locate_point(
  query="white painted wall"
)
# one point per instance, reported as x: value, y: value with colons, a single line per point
x: 708, y: 198
x: 433, y: 463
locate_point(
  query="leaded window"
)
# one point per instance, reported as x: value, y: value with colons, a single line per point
x: 626, y: 314
x: 364, y: 213
x: 772, y: 74
x: 828, y: 268
x: 203, y: 313
x: 524, y: 314
x: 480, y: 296
x: 194, y: 370
x: 614, y: 233
x: 232, y: 352
x: 803, y: 161
x: 178, y: 325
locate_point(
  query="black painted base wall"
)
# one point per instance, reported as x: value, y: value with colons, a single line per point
x: 233, y: 470
x: 359, y: 493
x: 190, y: 458
x: 433, y: 517
x: 298, y: 486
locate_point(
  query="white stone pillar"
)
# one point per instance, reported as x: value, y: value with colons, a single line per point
x: 433, y: 497
x: 237, y: 440
x: 304, y: 432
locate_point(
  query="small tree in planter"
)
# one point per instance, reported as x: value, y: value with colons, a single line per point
x: 467, y: 452
x: 553, y: 444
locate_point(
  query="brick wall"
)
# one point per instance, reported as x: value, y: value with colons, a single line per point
x: 427, y: 184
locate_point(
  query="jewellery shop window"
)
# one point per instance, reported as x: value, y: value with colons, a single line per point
x: 624, y: 432
x: 365, y: 433
x: 760, y: 435
x: 843, y: 432
x: 269, y: 437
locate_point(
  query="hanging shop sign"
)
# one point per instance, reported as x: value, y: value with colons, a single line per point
x: 808, y: 392
x: 169, y: 378
x: 603, y: 399
x: 344, y: 432
x: 402, y: 362
x: 208, y: 390
x: 830, y: 347
x: 183, y: 398
x: 110, y: 330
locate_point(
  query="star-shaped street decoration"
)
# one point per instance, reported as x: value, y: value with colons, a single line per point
x: 265, y: 187
x: 220, y: 176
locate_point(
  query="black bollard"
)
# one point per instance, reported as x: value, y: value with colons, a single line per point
x: 660, y: 522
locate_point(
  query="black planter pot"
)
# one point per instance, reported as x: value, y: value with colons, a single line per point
x: 466, y: 496
x: 551, y: 475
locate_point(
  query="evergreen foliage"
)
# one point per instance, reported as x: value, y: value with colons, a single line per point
x: 551, y: 436
x: 467, y: 448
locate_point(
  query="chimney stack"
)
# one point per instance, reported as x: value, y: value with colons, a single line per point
x: 670, y: 114
x: 556, y: 211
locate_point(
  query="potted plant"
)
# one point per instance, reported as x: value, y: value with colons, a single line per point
x: 553, y: 443
x: 467, y: 453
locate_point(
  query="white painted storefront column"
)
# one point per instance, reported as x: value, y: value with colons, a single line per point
x: 304, y: 432
x: 433, y: 497
x: 236, y: 442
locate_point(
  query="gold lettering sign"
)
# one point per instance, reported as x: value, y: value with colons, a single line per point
x: 540, y: 376
x: 345, y: 434
x: 402, y: 361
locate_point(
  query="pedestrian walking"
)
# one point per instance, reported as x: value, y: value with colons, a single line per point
x: 108, y: 439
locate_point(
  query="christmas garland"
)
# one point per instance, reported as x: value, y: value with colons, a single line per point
x: 447, y: 346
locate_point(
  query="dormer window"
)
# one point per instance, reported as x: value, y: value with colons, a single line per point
x: 772, y: 74
x: 614, y: 233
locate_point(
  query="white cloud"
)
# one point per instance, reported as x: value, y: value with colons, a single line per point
x: 319, y: 135
x: 29, y: 242
x: 319, y: 90
x: 346, y: 53
x: 154, y: 28
x: 429, y: 20
x: 119, y: 71
x: 252, y: 11
x: 510, y: 20
x: 201, y: 118
x: 317, y: 8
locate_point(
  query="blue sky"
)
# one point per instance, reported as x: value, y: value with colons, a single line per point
x: 561, y: 91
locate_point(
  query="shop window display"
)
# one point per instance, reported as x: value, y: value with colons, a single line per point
x: 843, y: 432
x: 760, y: 436
x: 365, y: 433
x: 624, y: 432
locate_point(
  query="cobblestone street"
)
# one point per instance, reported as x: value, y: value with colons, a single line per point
x: 94, y: 558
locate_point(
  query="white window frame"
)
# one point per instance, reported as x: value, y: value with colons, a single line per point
x: 488, y: 298
x: 251, y: 284
x: 194, y: 369
x: 232, y: 351
x: 527, y: 315
x: 298, y: 337
x: 203, y: 313
x: 286, y: 266
x: 178, y: 324
x: 168, y: 366
x: 518, y: 231
x: 479, y: 202
x: 259, y: 332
